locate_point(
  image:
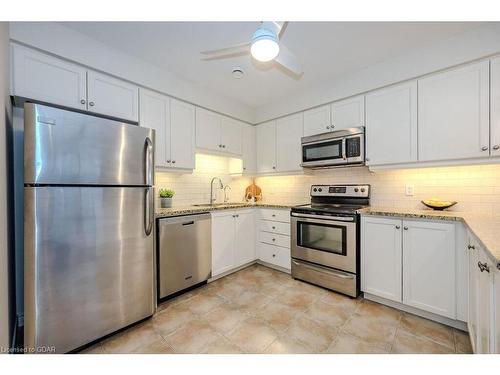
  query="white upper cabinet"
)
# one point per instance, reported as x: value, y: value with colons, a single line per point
x: 154, y: 113
x: 208, y: 130
x: 288, y: 146
x: 112, y: 97
x: 348, y: 113
x: 48, y: 79
x: 249, y: 157
x: 182, y: 134
x: 231, y: 135
x: 173, y: 121
x: 453, y: 114
x: 391, y: 125
x: 429, y: 267
x: 495, y: 107
x: 266, y: 147
x: 317, y: 120
x: 381, y: 257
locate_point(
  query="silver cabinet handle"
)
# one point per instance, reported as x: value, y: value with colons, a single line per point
x: 274, y: 239
x: 274, y: 167
x: 483, y: 267
x: 484, y: 148
x: 471, y: 247
x: 496, y: 147
x: 168, y: 161
x: 273, y: 215
x: 244, y: 168
x: 328, y: 127
x: 223, y: 146
x: 398, y: 227
x: 83, y: 101
x: 405, y: 228
x: 91, y: 104
x: 173, y: 161
x: 274, y: 255
x: 274, y: 227
x: 220, y: 146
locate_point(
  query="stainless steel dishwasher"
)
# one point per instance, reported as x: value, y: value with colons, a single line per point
x: 184, y: 252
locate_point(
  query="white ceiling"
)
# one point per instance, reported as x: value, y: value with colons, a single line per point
x: 325, y: 49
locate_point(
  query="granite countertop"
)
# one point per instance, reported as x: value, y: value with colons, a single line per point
x: 189, y: 210
x: 484, y: 227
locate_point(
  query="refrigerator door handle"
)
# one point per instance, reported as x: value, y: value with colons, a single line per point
x: 148, y: 162
x: 148, y: 211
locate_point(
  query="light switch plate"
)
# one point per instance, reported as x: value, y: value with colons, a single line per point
x: 409, y: 190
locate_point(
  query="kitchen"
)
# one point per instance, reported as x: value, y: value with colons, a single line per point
x: 171, y: 217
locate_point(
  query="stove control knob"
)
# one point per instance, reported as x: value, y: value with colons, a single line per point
x: 356, y: 189
x: 320, y: 190
x: 315, y: 189
x: 362, y: 190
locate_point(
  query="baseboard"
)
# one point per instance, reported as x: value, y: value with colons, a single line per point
x: 274, y: 267
x: 424, y: 314
x: 232, y: 271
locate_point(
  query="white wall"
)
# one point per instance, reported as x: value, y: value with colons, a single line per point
x: 72, y: 45
x: 4, y: 123
x: 473, y: 44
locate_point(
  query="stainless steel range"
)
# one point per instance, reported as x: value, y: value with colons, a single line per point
x: 325, y: 237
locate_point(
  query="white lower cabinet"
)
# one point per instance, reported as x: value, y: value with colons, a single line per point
x: 483, y: 300
x: 233, y: 239
x: 411, y: 262
x: 273, y: 245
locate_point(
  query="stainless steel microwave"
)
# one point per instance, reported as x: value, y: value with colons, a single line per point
x: 334, y: 149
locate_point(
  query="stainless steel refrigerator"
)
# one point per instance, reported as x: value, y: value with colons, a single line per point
x: 88, y: 227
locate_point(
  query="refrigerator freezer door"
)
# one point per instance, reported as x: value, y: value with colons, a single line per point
x: 69, y: 148
x: 88, y: 263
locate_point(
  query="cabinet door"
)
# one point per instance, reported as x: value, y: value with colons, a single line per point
x: 231, y: 135
x: 244, y: 246
x: 348, y: 113
x: 429, y: 267
x: 317, y: 120
x: 266, y: 147
x: 182, y: 138
x: 48, y: 79
x: 453, y: 114
x: 485, y: 305
x: 208, y: 126
x: 391, y: 125
x: 223, y: 229
x: 496, y: 309
x: 288, y: 146
x: 154, y: 114
x: 495, y: 107
x: 112, y: 97
x: 473, y: 316
x: 249, y: 150
x: 381, y: 257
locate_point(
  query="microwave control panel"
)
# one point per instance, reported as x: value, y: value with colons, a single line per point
x: 353, y: 147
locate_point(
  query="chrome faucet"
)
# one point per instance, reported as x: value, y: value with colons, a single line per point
x: 226, y: 198
x: 221, y: 186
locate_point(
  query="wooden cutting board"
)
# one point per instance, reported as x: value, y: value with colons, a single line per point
x: 253, y: 191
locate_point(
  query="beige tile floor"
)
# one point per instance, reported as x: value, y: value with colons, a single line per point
x: 260, y: 310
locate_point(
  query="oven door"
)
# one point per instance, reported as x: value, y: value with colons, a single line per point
x: 323, y: 153
x: 328, y: 242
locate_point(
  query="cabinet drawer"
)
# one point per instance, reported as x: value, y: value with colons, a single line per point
x: 275, y: 227
x: 275, y: 215
x: 275, y: 239
x: 279, y: 256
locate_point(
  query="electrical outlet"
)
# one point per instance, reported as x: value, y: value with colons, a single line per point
x: 409, y: 190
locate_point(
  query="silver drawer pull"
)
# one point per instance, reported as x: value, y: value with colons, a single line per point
x: 483, y: 267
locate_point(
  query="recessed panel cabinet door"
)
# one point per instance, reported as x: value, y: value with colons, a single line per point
x: 154, y: 114
x: 495, y: 107
x: 244, y: 245
x: 249, y: 149
x: 266, y: 147
x: 381, y: 257
x: 391, y: 125
x: 429, y: 267
x: 317, y: 121
x: 112, y: 97
x: 453, y: 114
x: 497, y: 309
x: 473, y: 318
x: 222, y: 242
x: 208, y: 125
x: 182, y: 135
x: 288, y: 145
x: 231, y: 135
x: 485, y: 269
x: 48, y: 79
x: 348, y: 113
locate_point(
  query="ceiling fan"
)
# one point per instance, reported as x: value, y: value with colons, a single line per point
x: 264, y: 46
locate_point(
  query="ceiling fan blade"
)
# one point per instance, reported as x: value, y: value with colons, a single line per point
x: 288, y: 60
x: 278, y: 27
x: 236, y: 49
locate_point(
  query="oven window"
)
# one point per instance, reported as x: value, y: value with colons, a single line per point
x: 324, y: 237
x: 322, y: 151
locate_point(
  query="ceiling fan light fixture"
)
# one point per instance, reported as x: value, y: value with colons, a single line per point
x: 265, y: 45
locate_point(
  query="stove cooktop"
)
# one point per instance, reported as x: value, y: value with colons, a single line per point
x: 336, y: 208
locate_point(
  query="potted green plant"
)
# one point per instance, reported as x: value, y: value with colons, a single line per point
x: 166, y: 198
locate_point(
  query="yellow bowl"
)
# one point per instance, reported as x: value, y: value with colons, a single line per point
x: 437, y: 204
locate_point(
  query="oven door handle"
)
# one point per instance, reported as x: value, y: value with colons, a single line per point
x: 323, y: 270
x: 333, y: 218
